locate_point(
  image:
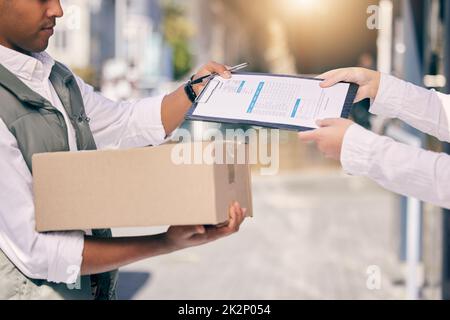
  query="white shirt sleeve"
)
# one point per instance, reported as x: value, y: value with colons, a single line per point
x: 120, y: 125
x: 54, y: 257
x: 405, y: 170
x: 426, y: 110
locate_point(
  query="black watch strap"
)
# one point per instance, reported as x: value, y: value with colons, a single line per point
x: 190, y: 91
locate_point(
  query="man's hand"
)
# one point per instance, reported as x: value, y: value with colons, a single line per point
x: 103, y: 255
x: 176, y: 105
x: 191, y: 236
x: 209, y: 68
x: 329, y: 137
x: 368, y: 81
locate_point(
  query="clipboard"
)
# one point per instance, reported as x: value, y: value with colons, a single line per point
x: 346, y: 108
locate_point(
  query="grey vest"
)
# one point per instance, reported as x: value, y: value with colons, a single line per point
x: 39, y: 128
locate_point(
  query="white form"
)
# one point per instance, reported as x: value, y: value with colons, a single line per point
x: 271, y: 99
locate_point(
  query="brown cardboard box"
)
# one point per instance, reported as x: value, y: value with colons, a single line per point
x: 135, y: 188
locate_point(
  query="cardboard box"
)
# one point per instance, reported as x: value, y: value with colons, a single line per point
x: 136, y: 188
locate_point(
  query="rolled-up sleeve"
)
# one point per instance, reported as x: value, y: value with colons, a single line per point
x: 406, y: 170
x: 55, y: 257
x: 121, y: 125
x: 425, y: 110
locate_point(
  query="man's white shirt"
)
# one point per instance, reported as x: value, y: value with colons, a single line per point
x: 115, y: 125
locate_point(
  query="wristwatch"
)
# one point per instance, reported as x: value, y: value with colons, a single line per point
x: 189, y: 89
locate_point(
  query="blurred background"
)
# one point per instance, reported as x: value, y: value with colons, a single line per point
x: 317, y: 233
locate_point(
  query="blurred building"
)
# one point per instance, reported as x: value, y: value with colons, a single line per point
x: 127, y: 32
x: 218, y: 34
x: 229, y: 31
x: 413, y: 45
x: 71, y: 42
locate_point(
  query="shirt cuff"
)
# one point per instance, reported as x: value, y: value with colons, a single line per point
x: 356, y: 155
x: 148, y: 113
x: 65, y: 256
x: 390, y: 97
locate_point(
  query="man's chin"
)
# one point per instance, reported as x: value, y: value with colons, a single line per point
x: 40, y: 46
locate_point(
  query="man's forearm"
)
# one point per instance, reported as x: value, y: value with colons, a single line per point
x: 173, y: 110
x: 103, y: 255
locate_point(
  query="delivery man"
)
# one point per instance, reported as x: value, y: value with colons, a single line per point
x: 406, y: 170
x: 45, y: 108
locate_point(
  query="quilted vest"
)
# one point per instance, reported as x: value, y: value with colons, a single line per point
x: 40, y: 128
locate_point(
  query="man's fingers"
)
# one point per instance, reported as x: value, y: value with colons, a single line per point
x: 200, y: 229
x: 308, y: 136
x: 333, y: 77
x: 237, y: 216
x: 327, y: 122
x: 234, y: 218
x: 332, y: 80
x: 215, y: 66
x: 218, y: 68
x: 327, y: 75
x: 360, y: 95
x: 241, y: 216
x: 189, y: 231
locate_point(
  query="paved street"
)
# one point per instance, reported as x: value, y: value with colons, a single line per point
x: 313, y: 237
